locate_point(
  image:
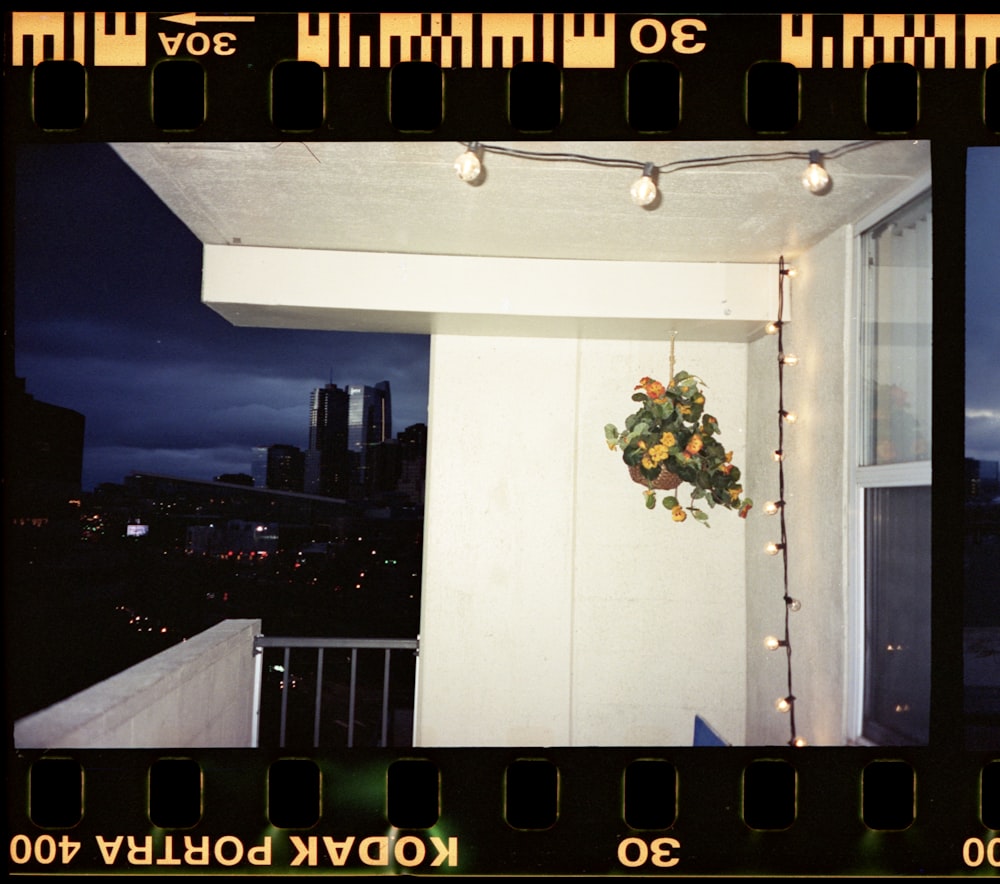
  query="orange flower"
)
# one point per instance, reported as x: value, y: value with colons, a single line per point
x: 678, y: 513
x: 745, y: 509
x: 653, y: 389
x: 694, y: 445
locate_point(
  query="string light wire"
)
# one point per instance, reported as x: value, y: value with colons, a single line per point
x: 673, y: 166
x: 787, y: 704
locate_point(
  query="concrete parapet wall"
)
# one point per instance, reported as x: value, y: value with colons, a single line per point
x: 199, y: 693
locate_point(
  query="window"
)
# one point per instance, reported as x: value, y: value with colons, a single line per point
x: 892, y: 479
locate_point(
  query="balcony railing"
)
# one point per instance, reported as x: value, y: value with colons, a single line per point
x: 325, y: 691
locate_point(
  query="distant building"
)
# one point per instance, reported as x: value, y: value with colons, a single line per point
x: 235, y: 479
x: 285, y: 468
x: 369, y: 424
x: 326, y: 463
x: 982, y: 479
x: 43, y: 455
x: 258, y: 466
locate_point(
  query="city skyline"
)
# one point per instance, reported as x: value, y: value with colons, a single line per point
x: 108, y: 322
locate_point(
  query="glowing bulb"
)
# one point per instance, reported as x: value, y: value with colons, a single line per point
x: 772, y: 643
x: 468, y: 166
x: 772, y: 328
x: 782, y: 704
x: 789, y: 359
x: 778, y: 455
x: 772, y: 506
x: 815, y: 179
x: 789, y: 416
x: 644, y: 189
x: 799, y: 742
x: 772, y: 548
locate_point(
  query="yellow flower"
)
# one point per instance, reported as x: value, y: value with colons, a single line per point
x: 735, y: 493
x: 694, y: 445
x: 647, y: 462
x: 659, y: 453
x: 668, y: 440
x: 729, y: 457
x: 678, y: 513
x: 684, y: 409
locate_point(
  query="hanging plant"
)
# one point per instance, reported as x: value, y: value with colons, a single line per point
x: 670, y: 440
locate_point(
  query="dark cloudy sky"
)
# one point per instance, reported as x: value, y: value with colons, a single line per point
x: 982, y: 310
x: 109, y: 322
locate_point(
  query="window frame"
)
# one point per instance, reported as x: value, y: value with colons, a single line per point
x: 861, y: 478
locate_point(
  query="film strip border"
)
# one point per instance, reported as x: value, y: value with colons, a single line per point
x: 137, y: 76
x: 365, y: 76
x: 586, y: 812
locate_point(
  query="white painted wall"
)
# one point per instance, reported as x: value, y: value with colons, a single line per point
x: 557, y: 609
x: 817, y: 497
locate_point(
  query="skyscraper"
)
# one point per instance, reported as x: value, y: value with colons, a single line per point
x: 327, y: 463
x: 369, y: 422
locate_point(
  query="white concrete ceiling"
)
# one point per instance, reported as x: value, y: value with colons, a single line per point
x: 404, y: 196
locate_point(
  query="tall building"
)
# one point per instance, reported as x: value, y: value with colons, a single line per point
x: 285, y: 468
x: 369, y: 423
x: 326, y: 462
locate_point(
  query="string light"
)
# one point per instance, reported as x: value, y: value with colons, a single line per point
x: 644, y: 190
x: 816, y: 179
x: 469, y: 167
x: 784, y: 704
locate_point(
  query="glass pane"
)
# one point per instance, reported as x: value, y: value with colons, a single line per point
x: 898, y: 615
x: 896, y: 338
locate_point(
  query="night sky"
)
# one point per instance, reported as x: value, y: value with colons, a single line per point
x: 109, y: 323
x: 982, y: 305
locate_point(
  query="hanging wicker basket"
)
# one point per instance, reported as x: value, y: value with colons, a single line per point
x: 665, y: 481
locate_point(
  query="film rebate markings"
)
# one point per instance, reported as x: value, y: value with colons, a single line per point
x: 175, y: 793
x: 531, y: 794
x: 888, y: 795
x: 293, y: 793
x: 55, y: 793
x: 413, y: 793
x: 769, y: 794
x: 650, y: 794
x: 179, y: 95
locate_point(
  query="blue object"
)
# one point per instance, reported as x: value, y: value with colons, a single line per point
x: 705, y: 734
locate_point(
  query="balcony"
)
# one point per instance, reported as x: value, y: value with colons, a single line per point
x: 231, y: 687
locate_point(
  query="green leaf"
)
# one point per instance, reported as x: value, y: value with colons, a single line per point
x: 650, y: 501
x: 670, y: 502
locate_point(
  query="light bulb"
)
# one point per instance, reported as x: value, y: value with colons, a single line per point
x: 644, y: 189
x: 815, y: 179
x: 468, y: 166
x: 772, y: 548
x: 789, y: 416
x: 794, y: 605
x: 778, y: 455
x: 782, y: 704
x: 789, y: 359
x: 772, y: 506
x: 772, y: 643
x: 772, y: 328
x: 799, y: 742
